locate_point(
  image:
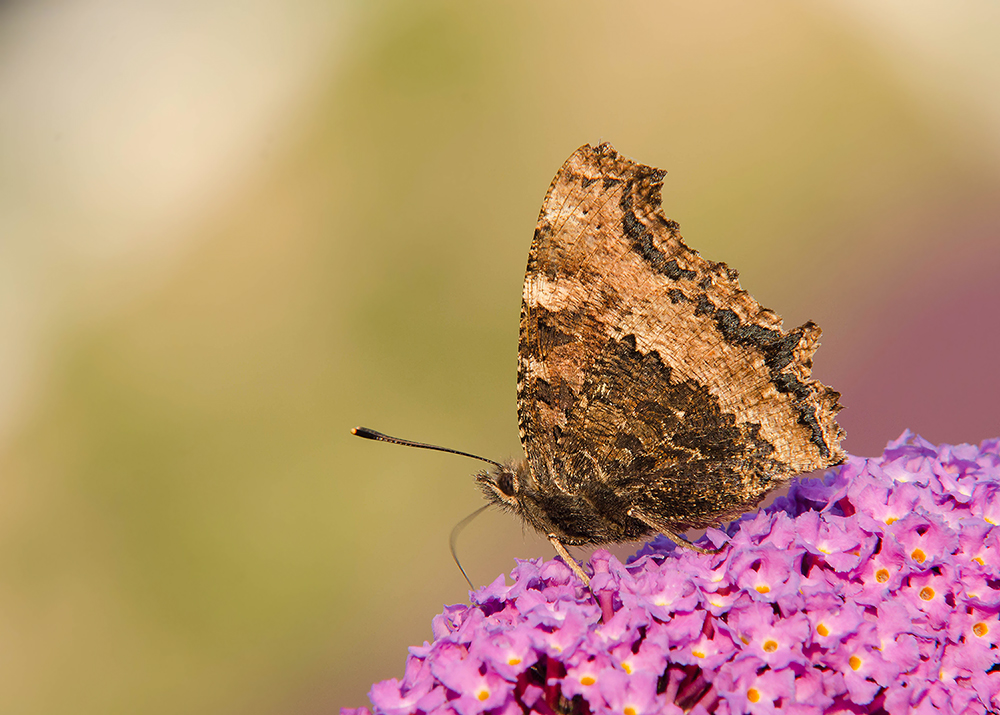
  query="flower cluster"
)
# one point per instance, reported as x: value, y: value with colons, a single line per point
x: 873, y: 590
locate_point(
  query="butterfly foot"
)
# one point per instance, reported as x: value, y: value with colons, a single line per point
x: 570, y: 561
x: 688, y: 545
x: 670, y: 534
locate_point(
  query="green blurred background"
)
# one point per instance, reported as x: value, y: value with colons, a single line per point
x: 229, y: 232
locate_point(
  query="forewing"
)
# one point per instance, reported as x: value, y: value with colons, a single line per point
x: 647, y: 367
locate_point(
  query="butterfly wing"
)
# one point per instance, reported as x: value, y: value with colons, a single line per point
x: 645, y: 371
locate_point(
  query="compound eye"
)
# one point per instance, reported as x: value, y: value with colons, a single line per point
x: 505, y: 483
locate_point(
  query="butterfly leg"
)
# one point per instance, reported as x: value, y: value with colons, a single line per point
x: 570, y: 561
x: 665, y: 529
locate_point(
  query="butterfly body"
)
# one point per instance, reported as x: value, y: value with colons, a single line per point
x: 595, y: 513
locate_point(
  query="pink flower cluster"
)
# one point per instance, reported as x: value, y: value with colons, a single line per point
x: 873, y: 590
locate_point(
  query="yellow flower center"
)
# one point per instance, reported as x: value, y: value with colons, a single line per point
x: 629, y: 710
x: 627, y: 668
x: 980, y: 629
x: 770, y: 646
x: 697, y: 654
x: 918, y: 556
x: 927, y: 593
x: 514, y: 661
x: 855, y: 662
x: 822, y: 630
x: 587, y: 680
x: 483, y: 694
x: 752, y: 695
x: 763, y: 589
x: 882, y: 575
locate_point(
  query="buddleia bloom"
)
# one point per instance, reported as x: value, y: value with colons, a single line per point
x: 875, y: 589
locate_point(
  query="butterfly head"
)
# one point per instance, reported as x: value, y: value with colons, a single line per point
x: 507, y: 485
x: 512, y: 487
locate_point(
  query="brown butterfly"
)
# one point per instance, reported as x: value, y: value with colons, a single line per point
x: 654, y: 395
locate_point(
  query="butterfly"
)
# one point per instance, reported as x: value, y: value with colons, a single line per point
x: 654, y: 394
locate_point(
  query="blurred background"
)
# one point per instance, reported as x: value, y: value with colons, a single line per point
x: 230, y: 231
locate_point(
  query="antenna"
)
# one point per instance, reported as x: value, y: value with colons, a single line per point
x: 453, y: 539
x: 379, y: 437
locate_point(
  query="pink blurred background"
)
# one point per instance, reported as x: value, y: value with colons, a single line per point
x: 229, y: 232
